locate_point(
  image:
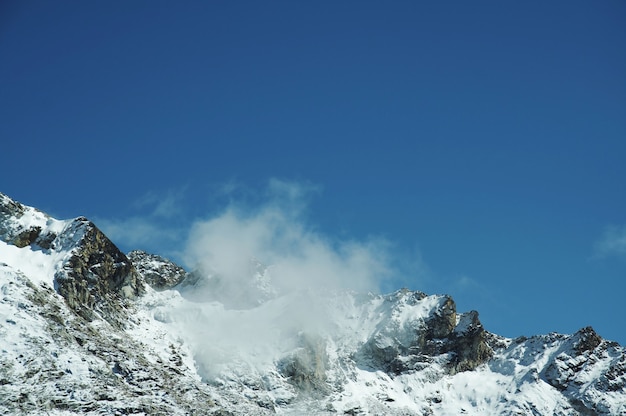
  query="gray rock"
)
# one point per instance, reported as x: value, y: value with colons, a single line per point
x: 464, y: 345
x: 97, y: 277
x: 306, y: 367
x: 159, y: 272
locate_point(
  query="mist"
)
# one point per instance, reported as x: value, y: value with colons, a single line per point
x: 260, y: 277
x: 228, y: 246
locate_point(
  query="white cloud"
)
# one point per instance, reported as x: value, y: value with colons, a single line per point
x: 465, y: 282
x: 612, y: 243
x: 297, y: 194
x: 302, y: 261
x: 276, y: 234
x: 164, y: 205
x: 155, y: 229
x: 136, y: 232
x: 228, y: 307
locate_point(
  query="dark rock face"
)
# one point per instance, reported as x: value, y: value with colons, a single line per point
x: 9, y: 209
x: 36, y: 237
x: 12, y: 232
x: 121, y: 380
x: 158, y: 272
x: 26, y: 237
x: 410, y: 332
x: 93, y: 277
x: 615, y: 378
x: 443, y: 322
x: 464, y: 343
x: 97, y: 276
x: 586, y: 340
x: 587, y: 370
x: 584, y: 349
x: 469, y: 344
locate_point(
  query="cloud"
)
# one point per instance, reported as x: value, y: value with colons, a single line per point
x: 137, y: 232
x: 164, y: 205
x: 276, y: 234
x: 261, y: 269
x: 268, y: 225
x: 465, y: 282
x: 612, y: 242
x: 296, y: 194
x: 157, y: 225
x: 264, y: 277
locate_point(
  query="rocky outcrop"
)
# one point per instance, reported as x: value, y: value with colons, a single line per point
x: 159, y: 272
x: 588, y: 371
x: 93, y: 275
x: 21, y: 232
x: 459, y: 340
x: 9, y: 211
x: 468, y: 344
x: 63, y: 364
x: 306, y: 367
x: 96, y: 277
x: 578, y: 357
x: 82, y: 335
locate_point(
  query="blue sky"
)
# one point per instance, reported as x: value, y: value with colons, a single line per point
x: 480, y: 145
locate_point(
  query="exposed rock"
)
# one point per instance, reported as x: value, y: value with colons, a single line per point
x: 9, y: 210
x: 102, y: 371
x: 26, y: 237
x: 98, y: 343
x: 94, y: 277
x: 398, y: 350
x: 160, y: 273
x: 468, y: 342
x: 306, y: 367
x: 615, y: 378
x: 14, y: 230
x: 97, y: 277
x: 580, y: 351
x: 443, y: 322
x: 587, y: 340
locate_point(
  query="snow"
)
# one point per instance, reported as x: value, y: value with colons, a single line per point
x: 37, y: 265
x: 237, y: 353
x: 26, y: 341
x: 464, y: 323
x: 238, y: 350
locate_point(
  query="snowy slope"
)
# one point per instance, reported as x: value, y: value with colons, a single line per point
x: 156, y: 340
x: 304, y: 353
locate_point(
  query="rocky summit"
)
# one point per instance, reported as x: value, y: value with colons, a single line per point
x: 87, y: 329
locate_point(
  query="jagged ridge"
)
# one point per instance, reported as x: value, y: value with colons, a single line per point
x: 87, y: 330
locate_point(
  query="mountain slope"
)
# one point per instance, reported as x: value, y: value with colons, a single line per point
x: 85, y: 329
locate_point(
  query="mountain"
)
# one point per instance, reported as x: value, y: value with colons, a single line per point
x: 87, y: 329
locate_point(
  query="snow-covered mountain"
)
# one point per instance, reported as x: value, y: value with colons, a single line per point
x: 86, y: 329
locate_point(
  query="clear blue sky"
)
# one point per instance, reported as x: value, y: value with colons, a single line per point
x: 486, y: 139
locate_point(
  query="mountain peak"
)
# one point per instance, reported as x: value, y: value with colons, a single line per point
x: 85, y: 267
x: 87, y: 329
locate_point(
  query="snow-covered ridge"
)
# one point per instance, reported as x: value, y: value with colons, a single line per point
x: 85, y: 329
x: 26, y: 227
